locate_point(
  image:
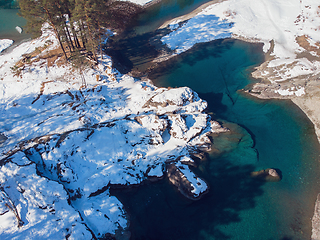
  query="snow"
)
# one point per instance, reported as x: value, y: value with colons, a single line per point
x: 280, y: 21
x: 199, y: 186
x: 201, y: 28
x: 64, y: 146
x: 41, y: 204
x: 139, y: 2
x: 291, y: 91
x: 5, y: 43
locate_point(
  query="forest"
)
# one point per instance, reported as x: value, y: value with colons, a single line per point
x: 80, y: 26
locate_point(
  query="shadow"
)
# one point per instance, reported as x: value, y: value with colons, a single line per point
x: 129, y: 51
x: 158, y: 211
x: 253, y: 136
x: 136, y: 52
x: 214, y: 101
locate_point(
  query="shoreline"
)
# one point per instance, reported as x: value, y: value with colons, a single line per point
x: 267, y: 89
x: 191, y: 14
x: 303, y: 102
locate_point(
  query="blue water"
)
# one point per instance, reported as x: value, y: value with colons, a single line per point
x: 263, y: 134
x: 8, y: 21
x: 165, y: 10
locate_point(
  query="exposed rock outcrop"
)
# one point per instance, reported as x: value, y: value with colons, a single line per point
x: 269, y: 175
x: 187, y: 183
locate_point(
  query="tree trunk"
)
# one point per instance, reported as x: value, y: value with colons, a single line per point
x: 55, y: 31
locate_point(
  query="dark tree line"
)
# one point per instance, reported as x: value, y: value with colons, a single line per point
x: 78, y: 25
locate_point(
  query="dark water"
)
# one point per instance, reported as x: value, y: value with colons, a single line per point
x: 264, y: 133
x: 135, y: 47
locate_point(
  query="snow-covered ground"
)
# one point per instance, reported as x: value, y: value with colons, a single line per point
x: 62, y: 146
x: 280, y: 21
x: 5, y: 43
x: 139, y: 2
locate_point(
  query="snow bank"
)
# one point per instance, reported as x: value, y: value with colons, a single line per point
x: 139, y: 2
x: 116, y: 132
x: 280, y: 21
x: 41, y: 204
x: 201, y: 28
x: 5, y: 43
x: 291, y: 91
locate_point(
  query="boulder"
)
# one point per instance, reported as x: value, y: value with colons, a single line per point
x: 187, y: 183
x: 269, y: 175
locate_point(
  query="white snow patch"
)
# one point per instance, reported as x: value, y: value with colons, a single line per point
x: 201, y: 28
x: 291, y: 91
x: 40, y: 203
x: 199, y: 186
x: 139, y: 2
x: 5, y: 43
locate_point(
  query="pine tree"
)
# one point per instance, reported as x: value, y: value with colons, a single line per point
x: 38, y: 12
x: 91, y: 16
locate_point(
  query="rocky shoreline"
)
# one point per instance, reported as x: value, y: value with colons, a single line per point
x: 296, y: 79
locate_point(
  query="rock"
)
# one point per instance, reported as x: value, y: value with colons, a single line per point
x: 269, y: 175
x: 272, y: 172
x: 187, y: 183
x: 19, y: 29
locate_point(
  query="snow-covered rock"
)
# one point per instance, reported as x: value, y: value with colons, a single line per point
x: 5, y: 43
x: 41, y: 205
x: 186, y: 181
x: 63, y: 146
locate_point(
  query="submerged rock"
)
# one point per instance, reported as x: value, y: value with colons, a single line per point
x: 269, y: 175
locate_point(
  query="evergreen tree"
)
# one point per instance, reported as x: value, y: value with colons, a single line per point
x: 37, y: 12
x: 91, y: 16
x: 77, y: 24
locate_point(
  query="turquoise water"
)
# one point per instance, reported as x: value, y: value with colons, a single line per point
x: 8, y: 4
x: 165, y: 10
x: 264, y: 133
x: 8, y: 21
